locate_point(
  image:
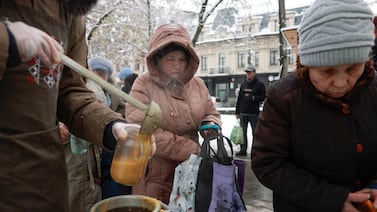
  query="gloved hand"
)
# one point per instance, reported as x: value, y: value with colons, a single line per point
x: 34, y: 42
x: 209, y: 129
x: 122, y: 131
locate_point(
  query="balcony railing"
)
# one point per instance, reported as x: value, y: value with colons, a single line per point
x: 219, y: 70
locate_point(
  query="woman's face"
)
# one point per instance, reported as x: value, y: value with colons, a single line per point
x: 335, y: 81
x: 173, y: 64
x: 101, y: 74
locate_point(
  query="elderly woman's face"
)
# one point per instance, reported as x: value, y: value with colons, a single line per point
x: 173, y: 64
x: 335, y: 81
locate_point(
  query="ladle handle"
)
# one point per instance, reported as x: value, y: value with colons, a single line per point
x: 105, y: 85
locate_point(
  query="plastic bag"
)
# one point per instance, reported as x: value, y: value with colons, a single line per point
x: 236, y: 135
x: 182, y: 197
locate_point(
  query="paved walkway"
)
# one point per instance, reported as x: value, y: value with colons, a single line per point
x: 257, y: 197
x: 259, y: 206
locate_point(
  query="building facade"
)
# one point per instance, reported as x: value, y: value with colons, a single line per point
x: 225, y: 52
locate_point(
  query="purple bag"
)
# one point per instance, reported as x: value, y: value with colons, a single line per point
x: 241, y: 169
x: 225, y: 195
x: 216, y: 188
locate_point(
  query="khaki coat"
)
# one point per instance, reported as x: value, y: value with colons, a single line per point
x: 33, y: 98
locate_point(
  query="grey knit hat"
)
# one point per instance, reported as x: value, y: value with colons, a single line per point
x: 336, y: 32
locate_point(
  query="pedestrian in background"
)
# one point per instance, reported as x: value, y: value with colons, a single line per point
x: 123, y: 73
x: 127, y: 77
x: 89, y: 178
x: 315, y: 145
x: 250, y: 96
x: 37, y: 92
x: 104, y: 68
x: 185, y: 104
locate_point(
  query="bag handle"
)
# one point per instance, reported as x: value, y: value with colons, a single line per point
x: 221, y: 139
x: 238, y: 122
x: 221, y: 155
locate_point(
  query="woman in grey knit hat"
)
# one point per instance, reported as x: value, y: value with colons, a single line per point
x: 315, y: 145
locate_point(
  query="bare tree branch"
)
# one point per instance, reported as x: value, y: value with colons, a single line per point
x: 98, y: 23
x: 203, y: 16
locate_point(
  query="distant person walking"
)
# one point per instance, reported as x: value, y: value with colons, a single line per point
x: 127, y: 78
x: 252, y: 93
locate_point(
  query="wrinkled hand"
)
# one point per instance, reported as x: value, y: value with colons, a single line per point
x: 34, y: 42
x: 372, y: 205
x: 373, y: 193
x: 122, y: 131
x: 64, y: 133
x: 356, y: 197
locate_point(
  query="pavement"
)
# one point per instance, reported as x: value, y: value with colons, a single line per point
x: 257, y: 197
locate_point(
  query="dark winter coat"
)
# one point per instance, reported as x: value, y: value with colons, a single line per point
x: 312, y: 150
x: 33, y: 97
x: 250, y: 96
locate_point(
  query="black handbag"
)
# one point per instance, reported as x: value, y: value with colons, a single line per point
x: 216, y: 188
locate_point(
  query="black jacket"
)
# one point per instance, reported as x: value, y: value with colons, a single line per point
x: 310, y: 150
x: 251, y: 94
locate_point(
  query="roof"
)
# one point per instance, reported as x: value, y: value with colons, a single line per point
x: 290, y: 34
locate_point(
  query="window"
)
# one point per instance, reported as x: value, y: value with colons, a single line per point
x: 221, y: 62
x: 276, y: 26
x: 290, y: 56
x: 274, y: 58
x: 256, y: 59
x: 204, y: 63
x: 254, y: 28
x: 222, y: 91
x: 241, y: 60
x: 251, y: 57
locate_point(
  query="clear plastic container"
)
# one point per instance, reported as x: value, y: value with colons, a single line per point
x: 78, y: 145
x: 130, y: 159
